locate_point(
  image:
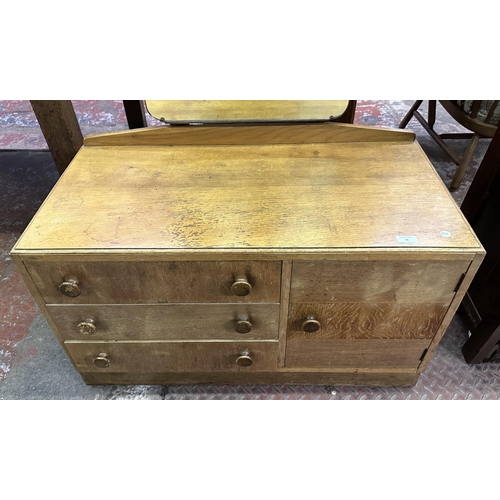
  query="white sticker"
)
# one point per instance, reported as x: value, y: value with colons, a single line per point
x: 407, y: 239
x: 446, y: 234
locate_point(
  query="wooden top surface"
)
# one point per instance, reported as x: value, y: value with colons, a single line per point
x: 309, y: 197
x: 245, y: 111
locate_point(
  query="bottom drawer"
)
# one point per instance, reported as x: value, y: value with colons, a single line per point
x: 144, y: 357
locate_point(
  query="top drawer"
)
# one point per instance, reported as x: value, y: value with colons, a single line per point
x: 92, y: 282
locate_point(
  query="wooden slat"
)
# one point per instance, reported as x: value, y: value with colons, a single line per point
x: 367, y: 320
x: 339, y: 195
x: 249, y: 135
x: 286, y: 272
x: 491, y: 112
x: 414, y: 282
x: 393, y: 353
x: 168, y: 322
x: 350, y: 377
x: 307, y: 254
x: 156, y: 282
x: 244, y: 111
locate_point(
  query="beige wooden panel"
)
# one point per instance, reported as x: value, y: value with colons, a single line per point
x: 312, y: 196
x: 144, y: 357
x: 386, y: 320
x: 245, y: 111
x: 168, y: 322
x: 394, y: 353
x: 375, y: 281
x: 251, y: 134
x: 156, y: 282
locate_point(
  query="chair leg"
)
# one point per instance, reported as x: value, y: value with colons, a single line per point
x: 459, y: 174
x: 409, y: 115
x: 431, y: 115
x: 437, y: 138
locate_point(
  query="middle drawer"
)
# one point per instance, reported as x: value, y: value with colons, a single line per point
x: 167, y: 321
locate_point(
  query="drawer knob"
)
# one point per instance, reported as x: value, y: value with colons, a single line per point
x: 243, y: 325
x: 87, y: 327
x: 241, y: 287
x: 70, y: 288
x: 244, y: 359
x: 102, y: 361
x: 311, y: 325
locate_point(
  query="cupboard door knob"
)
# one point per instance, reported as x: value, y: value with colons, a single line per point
x: 241, y: 287
x: 244, y: 359
x: 70, y: 288
x: 243, y: 325
x: 311, y: 325
x: 102, y: 361
x: 87, y: 326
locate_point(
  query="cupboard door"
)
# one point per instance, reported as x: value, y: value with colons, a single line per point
x: 367, y: 314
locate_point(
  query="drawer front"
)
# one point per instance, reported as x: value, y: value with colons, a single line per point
x: 156, y: 282
x: 167, y: 322
x: 386, y: 320
x: 156, y: 357
x: 376, y: 281
x: 362, y: 354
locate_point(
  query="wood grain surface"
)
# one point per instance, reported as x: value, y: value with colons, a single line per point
x: 286, y: 274
x: 373, y: 353
x: 168, y: 322
x: 413, y: 282
x: 328, y: 377
x: 144, y: 357
x: 367, y: 320
x: 156, y: 282
x: 311, y: 196
x: 245, y: 111
x: 316, y: 133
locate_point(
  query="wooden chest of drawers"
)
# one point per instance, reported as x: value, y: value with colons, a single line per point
x: 323, y: 253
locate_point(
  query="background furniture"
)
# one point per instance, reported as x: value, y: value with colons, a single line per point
x: 481, y: 117
x: 481, y: 304
x: 62, y: 132
x: 249, y: 254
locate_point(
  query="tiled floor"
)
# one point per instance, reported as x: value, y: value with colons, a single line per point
x: 34, y: 366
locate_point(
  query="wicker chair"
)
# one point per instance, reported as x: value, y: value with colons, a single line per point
x: 480, y: 117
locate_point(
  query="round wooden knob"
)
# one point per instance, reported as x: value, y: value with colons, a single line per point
x: 244, y: 359
x: 241, y: 287
x: 70, y: 288
x: 87, y: 327
x: 311, y: 325
x: 102, y: 361
x: 243, y: 325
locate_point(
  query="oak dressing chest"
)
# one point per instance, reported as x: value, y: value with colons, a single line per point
x: 321, y: 253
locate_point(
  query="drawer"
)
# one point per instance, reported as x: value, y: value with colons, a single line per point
x: 354, y: 354
x: 345, y: 320
x: 167, y: 322
x: 129, y: 282
x: 376, y: 281
x: 157, y: 357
